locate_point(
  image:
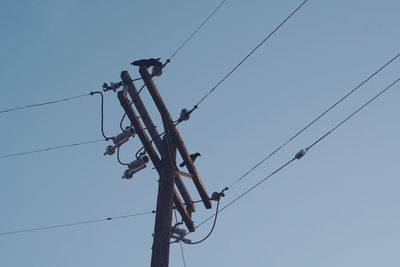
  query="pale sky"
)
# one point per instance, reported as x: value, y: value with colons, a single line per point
x: 337, y: 206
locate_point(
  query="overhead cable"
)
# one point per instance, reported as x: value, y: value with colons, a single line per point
x: 197, y: 29
x: 251, y: 52
x: 79, y: 96
x: 352, y: 114
x: 75, y: 223
x: 247, y: 191
x: 215, y: 220
x: 315, y: 120
x: 50, y: 148
x: 302, y: 152
x: 44, y: 103
x: 180, y: 241
x: 102, y: 114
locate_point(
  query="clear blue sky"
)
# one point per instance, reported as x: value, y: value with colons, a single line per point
x: 338, y: 206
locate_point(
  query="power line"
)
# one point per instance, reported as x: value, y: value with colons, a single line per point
x: 180, y: 242
x: 212, y: 228
x: 79, y: 96
x: 50, y: 148
x: 226, y: 76
x: 75, y: 223
x: 315, y: 120
x: 119, y: 160
x: 102, y: 114
x: 248, y: 190
x: 244, y: 59
x: 183, y: 255
x: 197, y: 29
x: 304, y: 151
x: 44, y: 103
x: 251, y: 52
x: 352, y: 114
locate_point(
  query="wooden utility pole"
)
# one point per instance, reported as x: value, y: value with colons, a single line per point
x: 165, y: 164
x: 165, y: 198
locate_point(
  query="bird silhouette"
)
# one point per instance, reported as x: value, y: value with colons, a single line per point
x: 151, y: 62
x: 192, y: 156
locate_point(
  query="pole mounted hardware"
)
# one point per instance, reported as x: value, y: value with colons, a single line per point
x: 119, y: 140
x: 112, y: 86
x: 161, y: 150
x: 135, y: 166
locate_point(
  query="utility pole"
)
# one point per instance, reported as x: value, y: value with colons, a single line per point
x: 165, y: 164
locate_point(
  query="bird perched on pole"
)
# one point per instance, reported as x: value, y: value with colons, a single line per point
x: 151, y: 62
x: 193, y: 158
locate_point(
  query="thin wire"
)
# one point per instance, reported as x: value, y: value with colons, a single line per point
x: 78, y: 96
x: 176, y: 51
x: 248, y: 55
x: 102, y: 114
x: 308, y: 148
x: 122, y: 121
x: 44, y: 103
x: 161, y: 134
x: 352, y: 114
x: 315, y: 120
x: 75, y: 223
x: 50, y: 148
x: 248, y: 190
x: 198, y: 28
x: 212, y: 228
x: 180, y: 243
x: 119, y: 161
x: 183, y: 255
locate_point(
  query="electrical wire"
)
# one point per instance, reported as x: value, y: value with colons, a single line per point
x: 197, y: 29
x: 50, y: 148
x: 248, y: 55
x: 122, y: 121
x: 44, y: 103
x: 212, y: 228
x: 352, y: 114
x: 79, y: 96
x: 315, y: 120
x: 75, y: 223
x: 308, y: 148
x: 102, y: 114
x: 176, y: 51
x: 159, y: 135
x: 69, y: 145
x: 183, y: 254
x: 247, y: 191
x: 180, y: 242
x: 119, y: 161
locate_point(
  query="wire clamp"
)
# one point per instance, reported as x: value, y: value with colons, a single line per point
x: 179, y: 235
x: 184, y: 116
x: 216, y: 196
x: 300, y: 154
x: 112, y: 86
